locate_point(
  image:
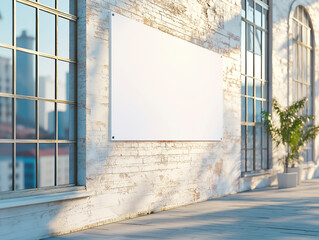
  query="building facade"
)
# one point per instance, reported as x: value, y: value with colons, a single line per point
x: 59, y: 168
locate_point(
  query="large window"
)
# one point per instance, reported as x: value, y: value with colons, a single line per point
x: 302, y: 69
x: 37, y: 94
x: 254, y: 84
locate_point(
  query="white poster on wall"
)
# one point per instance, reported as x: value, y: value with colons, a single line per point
x: 161, y: 87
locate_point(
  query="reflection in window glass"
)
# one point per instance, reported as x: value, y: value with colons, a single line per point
x: 46, y: 77
x: 258, y: 14
x: 6, y: 125
x: 6, y: 25
x: 67, y: 6
x: 66, y: 156
x: 26, y: 119
x: 6, y: 70
x: 66, y: 81
x: 6, y: 161
x: 250, y: 10
x: 46, y: 33
x: 26, y: 83
x: 26, y: 155
x: 66, y: 121
x: 26, y: 26
x: 47, y: 120
x: 50, y: 3
x: 66, y: 38
x: 46, y: 165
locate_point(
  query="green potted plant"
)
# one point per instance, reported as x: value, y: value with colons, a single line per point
x: 294, y: 130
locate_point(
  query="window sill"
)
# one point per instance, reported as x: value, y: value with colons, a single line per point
x: 43, y: 197
x: 257, y: 174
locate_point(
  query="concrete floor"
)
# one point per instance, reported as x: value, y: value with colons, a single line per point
x: 269, y: 213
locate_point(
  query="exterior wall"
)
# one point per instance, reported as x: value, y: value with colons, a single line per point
x: 126, y: 179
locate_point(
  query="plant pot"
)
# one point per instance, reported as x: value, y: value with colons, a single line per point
x: 287, y: 180
x: 298, y: 171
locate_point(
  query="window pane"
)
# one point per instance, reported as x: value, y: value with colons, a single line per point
x: 26, y: 83
x: 46, y: 165
x: 26, y: 26
x: 258, y: 153
x: 250, y: 159
x: 258, y: 88
x: 46, y: 120
x: 250, y: 83
x: 50, y: 3
x: 258, y: 42
x: 243, y: 47
x: 258, y: 136
x: 243, y: 85
x: 243, y: 109
x: 258, y: 111
x: 265, y: 58
x: 250, y: 36
x: 258, y: 14
x: 243, y: 136
x: 250, y: 137
x: 242, y: 157
x: 46, y: 33
x: 265, y: 159
x: 66, y: 38
x: 250, y: 110
x: 257, y: 66
x: 6, y: 161
x: 26, y: 155
x: 26, y: 119
x: 250, y: 10
x: 66, y: 81
x: 243, y: 8
x: 264, y: 138
x: 66, y: 121
x: 265, y: 90
x: 67, y: 6
x: 6, y: 25
x: 265, y: 18
x: 46, y: 77
x: 6, y: 70
x: 294, y: 30
x: 6, y: 125
x: 66, y: 164
x: 250, y: 64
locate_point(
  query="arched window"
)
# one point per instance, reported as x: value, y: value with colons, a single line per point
x: 302, y: 67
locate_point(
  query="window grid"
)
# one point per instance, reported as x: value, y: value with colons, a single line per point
x: 255, y: 84
x: 302, y: 66
x: 36, y: 99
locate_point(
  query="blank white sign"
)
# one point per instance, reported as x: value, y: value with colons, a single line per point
x: 162, y: 87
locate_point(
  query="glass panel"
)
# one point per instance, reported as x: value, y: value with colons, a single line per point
x: 26, y: 26
x: 242, y: 157
x: 66, y: 38
x: 295, y: 57
x: 66, y: 81
x: 6, y: 25
x: 250, y: 10
x: 294, y: 29
x: 304, y: 59
x: 6, y: 161
x: 264, y: 56
x: 250, y: 159
x: 258, y: 159
x: 243, y: 8
x: 243, y: 47
x: 309, y: 67
x: 304, y: 91
x: 46, y: 120
x: 258, y: 88
x: 46, y: 77
x: 46, y: 165
x: 258, y: 136
x: 243, y: 136
x: 50, y: 3
x: 250, y: 110
x: 243, y: 85
x: 46, y: 32
x: 265, y: 90
x: 26, y: 119
x: 250, y: 64
x: 243, y: 109
x: 26, y: 163
x: 258, y: 111
x: 66, y: 163
x: 6, y: 130
x: 250, y: 137
x: 294, y: 91
x: 265, y: 18
x: 258, y: 42
x: 264, y: 138
x: 250, y: 83
x: 299, y: 90
x: 66, y: 121
x: 26, y: 83
x: 265, y: 159
x: 257, y: 66
x: 250, y: 36
x: 258, y: 14
x: 300, y: 37
x: 67, y: 6
x: 6, y: 70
